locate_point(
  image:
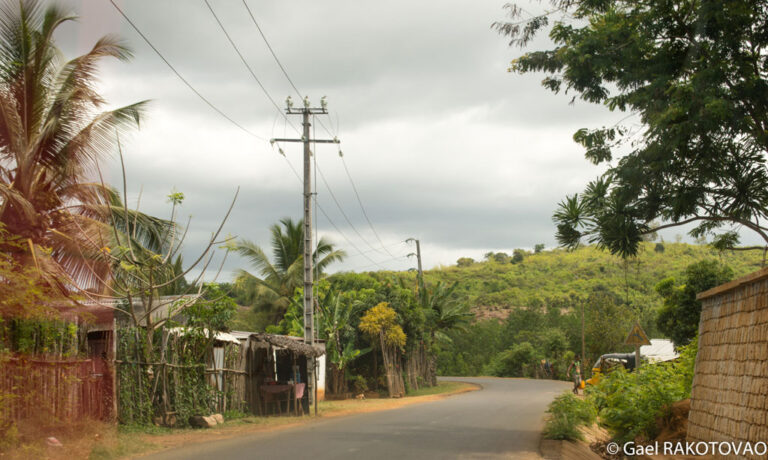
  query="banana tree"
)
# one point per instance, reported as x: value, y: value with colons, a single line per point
x: 334, y: 325
x: 444, y: 312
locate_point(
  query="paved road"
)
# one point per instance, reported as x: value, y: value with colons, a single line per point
x: 503, y: 420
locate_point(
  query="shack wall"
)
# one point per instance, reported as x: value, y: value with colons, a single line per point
x: 730, y: 384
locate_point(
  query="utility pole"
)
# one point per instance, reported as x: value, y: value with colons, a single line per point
x: 418, y: 258
x: 309, y: 316
x: 583, y: 342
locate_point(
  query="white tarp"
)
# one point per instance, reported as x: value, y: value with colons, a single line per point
x: 659, y: 350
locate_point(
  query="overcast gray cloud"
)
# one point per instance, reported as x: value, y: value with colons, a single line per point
x: 443, y: 144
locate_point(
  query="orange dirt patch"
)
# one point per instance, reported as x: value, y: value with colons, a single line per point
x: 77, y: 441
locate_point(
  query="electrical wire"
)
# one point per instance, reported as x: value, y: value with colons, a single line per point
x: 227, y: 117
x: 334, y: 135
x: 245, y: 62
x: 338, y: 205
x: 279, y: 63
x: 330, y: 221
x: 360, y: 202
x: 385, y: 261
x: 285, y: 73
x: 368, y: 251
x: 266, y: 93
x: 253, y: 74
x: 347, y: 239
x: 184, y: 80
x: 274, y: 55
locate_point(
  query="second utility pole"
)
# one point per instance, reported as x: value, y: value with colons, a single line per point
x: 309, y: 317
x: 418, y: 258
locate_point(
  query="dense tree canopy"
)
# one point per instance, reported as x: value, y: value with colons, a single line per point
x: 695, y: 73
x: 678, y: 317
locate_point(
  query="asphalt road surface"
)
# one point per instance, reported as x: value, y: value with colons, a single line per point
x: 503, y: 420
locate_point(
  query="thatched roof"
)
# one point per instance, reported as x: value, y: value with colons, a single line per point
x: 295, y: 344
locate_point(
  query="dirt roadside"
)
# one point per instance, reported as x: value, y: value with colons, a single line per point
x: 137, y: 445
x: 101, y: 441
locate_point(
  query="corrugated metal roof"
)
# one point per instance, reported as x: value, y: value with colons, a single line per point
x: 659, y: 350
x: 220, y: 336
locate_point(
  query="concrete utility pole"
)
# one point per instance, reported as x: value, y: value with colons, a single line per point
x: 583, y: 342
x: 309, y: 317
x: 418, y: 258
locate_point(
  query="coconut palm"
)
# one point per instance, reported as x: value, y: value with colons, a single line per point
x: 52, y: 136
x: 277, y: 280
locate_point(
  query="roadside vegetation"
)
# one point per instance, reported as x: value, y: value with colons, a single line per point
x: 567, y: 413
x: 525, y: 309
x: 382, y: 330
x: 627, y: 404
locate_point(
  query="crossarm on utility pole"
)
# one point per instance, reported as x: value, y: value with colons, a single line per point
x: 313, y: 141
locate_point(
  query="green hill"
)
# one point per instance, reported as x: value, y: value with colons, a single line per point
x: 528, y: 307
x: 494, y: 288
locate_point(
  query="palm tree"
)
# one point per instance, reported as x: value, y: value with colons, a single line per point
x: 445, y: 311
x: 273, y: 288
x: 52, y: 136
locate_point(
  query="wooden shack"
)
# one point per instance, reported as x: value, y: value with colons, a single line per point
x: 270, y: 359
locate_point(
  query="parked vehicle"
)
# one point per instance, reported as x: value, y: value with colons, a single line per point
x: 609, y: 362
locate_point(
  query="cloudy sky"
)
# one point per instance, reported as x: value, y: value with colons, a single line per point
x: 442, y: 142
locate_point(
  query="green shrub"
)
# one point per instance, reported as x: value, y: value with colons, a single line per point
x: 234, y: 414
x: 579, y: 410
x: 518, y: 361
x: 563, y: 428
x: 568, y: 412
x: 630, y: 402
x: 686, y: 363
x: 359, y: 384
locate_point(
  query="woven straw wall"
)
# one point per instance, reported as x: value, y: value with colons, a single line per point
x: 730, y: 385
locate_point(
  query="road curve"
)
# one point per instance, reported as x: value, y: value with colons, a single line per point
x: 503, y: 420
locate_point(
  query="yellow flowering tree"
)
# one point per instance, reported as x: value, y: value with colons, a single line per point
x: 380, y: 322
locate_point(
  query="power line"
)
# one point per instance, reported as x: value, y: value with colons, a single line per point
x: 385, y: 261
x: 247, y: 66
x: 338, y: 205
x: 184, y: 80
x: 330, y: 221
x: 274, y: 55
x: 266, y: 93
x: 279, y: 63
x: 360, y: 201
x: 368, y: 251
x: 357, y: 194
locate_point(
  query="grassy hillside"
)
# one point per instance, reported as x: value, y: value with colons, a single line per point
x: 494, y: 288
x: 539, y: 297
